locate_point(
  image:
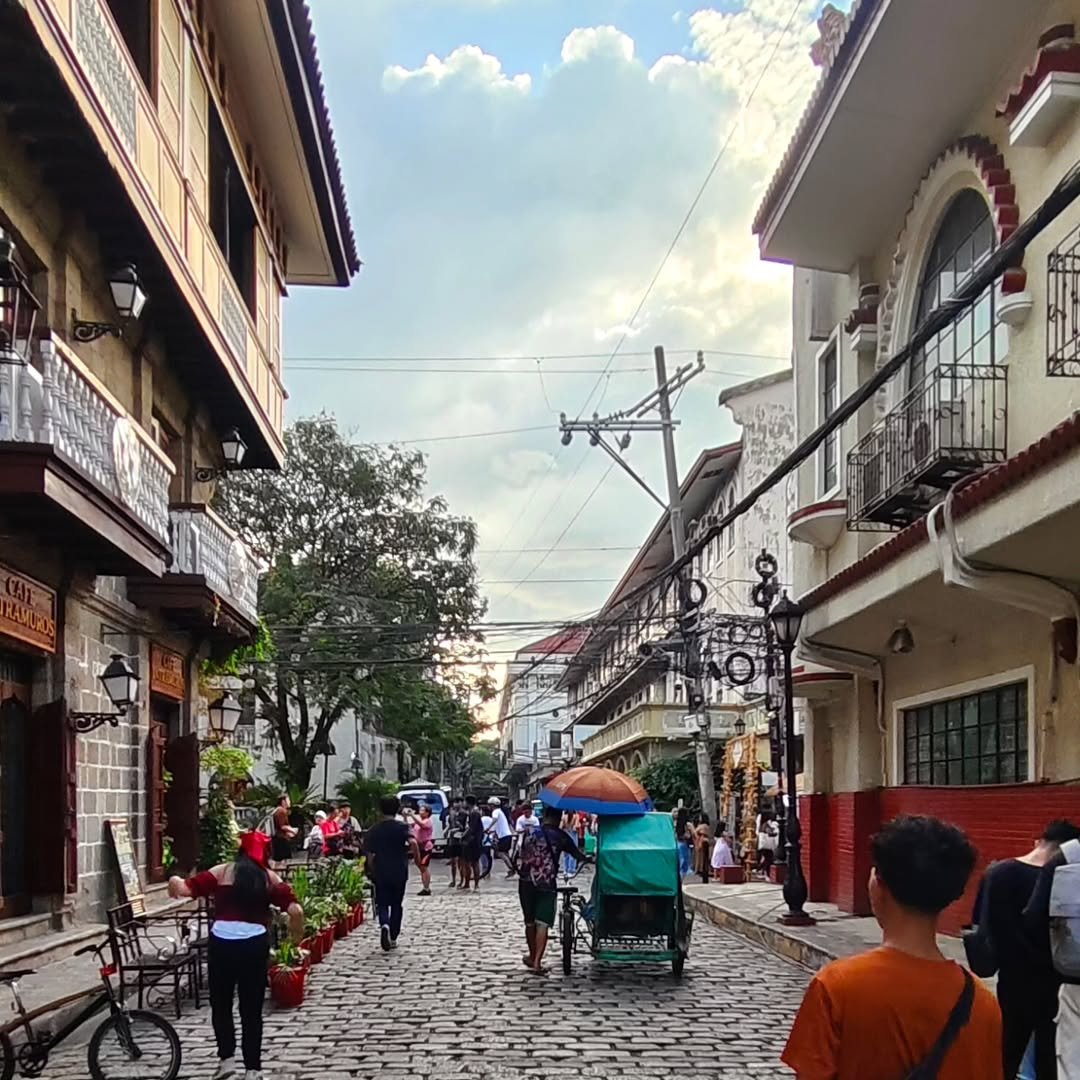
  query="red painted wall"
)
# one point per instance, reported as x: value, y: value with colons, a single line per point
x: 854, y: 816
x: 814, y: 818
x: 1001, y: 822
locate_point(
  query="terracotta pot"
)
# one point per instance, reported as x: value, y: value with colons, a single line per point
x: 327, y: 936
x: 341, y: 928
x: 359, y: 914
x: 315, y: 945
x: 287, y: 986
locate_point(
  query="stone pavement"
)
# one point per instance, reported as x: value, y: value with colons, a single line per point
x: 753, y: 910
x: 455, y: 1002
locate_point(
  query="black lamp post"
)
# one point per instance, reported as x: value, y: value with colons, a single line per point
x: 786, y: 617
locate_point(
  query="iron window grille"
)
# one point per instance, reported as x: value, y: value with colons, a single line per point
x: 1063, y: 307
x: 978, y: 738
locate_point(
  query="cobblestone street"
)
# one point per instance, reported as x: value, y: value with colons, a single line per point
x: 455, y: 1001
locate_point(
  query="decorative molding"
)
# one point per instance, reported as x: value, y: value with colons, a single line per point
x: 105, y: 64
x: 995, y: 181
x: 126, y: 460
x: 1058, y: 51
x: 233, y: 323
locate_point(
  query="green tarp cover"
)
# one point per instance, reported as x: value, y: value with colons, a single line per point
x: 637, y: 856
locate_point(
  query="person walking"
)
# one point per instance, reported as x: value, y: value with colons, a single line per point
x: 537, y: 885
x: 388, y: 846
x: 239, y: 947
x: 703, y: 838
x: 885, y: 1012
x: 455, y: 834
x: 423, y: 831
x: 1027, y: 985
x: 768, y: 841
x: 569, y: 826
x: 284, y: 832
x: 502, y: 834
x: 472, y: 844
x: 684, y: 836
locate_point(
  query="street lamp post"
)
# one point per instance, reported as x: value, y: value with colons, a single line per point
x: 786, y: 617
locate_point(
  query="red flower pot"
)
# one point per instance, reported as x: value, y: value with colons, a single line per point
x: 287, y: 986
x: 359, y: 909
x: 341, y: 928
x: 327, y: 936
x: 314, y: 945
x: 354, y: 919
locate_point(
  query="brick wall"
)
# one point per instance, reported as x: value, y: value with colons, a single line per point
x: 814, y: 818
x: 1002, y: 822
x: 853, y: 818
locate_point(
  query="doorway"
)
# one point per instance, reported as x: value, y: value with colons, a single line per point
x: 164, y: 725
x: 14, y: 728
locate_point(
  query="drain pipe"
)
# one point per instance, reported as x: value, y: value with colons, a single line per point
x: 1014, y: 588
x: 863, y: 665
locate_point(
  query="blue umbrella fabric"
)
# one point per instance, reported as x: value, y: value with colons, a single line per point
x: 590, y: 790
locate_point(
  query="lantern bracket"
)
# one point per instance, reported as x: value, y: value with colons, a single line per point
x: 85, y: 722
x: 85, y: 330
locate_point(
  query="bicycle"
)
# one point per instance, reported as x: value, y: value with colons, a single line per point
x: 125, y: 1038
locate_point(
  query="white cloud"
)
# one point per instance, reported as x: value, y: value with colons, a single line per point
x: 524, y: 212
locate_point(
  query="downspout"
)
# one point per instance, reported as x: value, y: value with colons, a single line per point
x: 864, y: 665
x: 1027, y: 592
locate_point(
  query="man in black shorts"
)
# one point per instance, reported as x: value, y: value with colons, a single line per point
x: 539, y: 868
x: 472, y: 844
x: 454, y: 824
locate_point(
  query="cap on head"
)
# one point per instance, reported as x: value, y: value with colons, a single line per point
x: 494, y: 801
x: 320, y: 815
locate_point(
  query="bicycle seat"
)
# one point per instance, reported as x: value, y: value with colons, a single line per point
x: 11, y: 976
x: 568, y: 889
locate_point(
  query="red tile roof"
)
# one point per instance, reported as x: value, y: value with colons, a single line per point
x: 565, y: 641
x: 981, y: 489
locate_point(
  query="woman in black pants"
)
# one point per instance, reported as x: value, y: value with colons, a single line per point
x: 239, y: 948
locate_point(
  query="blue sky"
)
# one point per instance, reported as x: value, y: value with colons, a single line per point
x: 516, y: 170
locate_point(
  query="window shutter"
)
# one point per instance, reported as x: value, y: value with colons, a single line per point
x: 51, y: 801
x: 182, y: 800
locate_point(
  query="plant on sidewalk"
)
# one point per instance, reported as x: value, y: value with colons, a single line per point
x: 669, y: 780
x: 363, y: 794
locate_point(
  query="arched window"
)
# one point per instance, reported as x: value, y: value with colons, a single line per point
x: 964, y: 237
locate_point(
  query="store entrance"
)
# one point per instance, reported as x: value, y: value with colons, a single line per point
x: 14, y: 832
x: 164, y: 724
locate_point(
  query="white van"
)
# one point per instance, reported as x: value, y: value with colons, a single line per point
x: 421, y: 792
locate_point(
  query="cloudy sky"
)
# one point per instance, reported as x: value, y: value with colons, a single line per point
x: 516, y: 170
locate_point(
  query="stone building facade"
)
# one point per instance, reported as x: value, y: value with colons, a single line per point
x: 151, y: 218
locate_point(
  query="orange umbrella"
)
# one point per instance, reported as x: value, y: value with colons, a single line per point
x: 596, y: 791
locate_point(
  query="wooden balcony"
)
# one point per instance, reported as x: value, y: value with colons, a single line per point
x: 76, y: 468
x: 211, y: 588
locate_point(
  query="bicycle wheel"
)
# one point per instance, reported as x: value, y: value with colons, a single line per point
x: 7, y: 1058
x: 566, y: 935
x: 134, y: 1045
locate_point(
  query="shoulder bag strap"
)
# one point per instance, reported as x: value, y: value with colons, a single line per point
x: 956, y: 1023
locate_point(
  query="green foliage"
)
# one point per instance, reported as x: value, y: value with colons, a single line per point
x: 364, y: 569
x: 328, y: 890
x: 239, y: 661
x: 286, y: 956
x: 226, y: 762
x: 671, y: 779
x: 484, y: 763
x: 363, y: 794
x: 305, y: 801
x: 219, y: 835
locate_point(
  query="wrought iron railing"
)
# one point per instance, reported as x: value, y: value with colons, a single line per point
x: 1063, y: 307
x: 952, y: 423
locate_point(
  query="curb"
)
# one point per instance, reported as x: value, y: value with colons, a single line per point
x: 772, y: 937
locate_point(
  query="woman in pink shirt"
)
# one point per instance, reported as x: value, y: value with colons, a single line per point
x: 423, y: 830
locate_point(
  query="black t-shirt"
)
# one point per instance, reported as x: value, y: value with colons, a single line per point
x: 388, y: 842
x: 1010, y: 884
x: 474, y: 829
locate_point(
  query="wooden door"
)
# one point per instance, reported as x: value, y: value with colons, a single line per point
x: 182, y: 801
x: 50, y: 801
x: 155, y: 795
x: 14, y: 888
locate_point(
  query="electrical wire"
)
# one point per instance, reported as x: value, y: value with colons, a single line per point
x: 523, y: 357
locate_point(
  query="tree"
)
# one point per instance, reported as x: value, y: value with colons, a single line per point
x: 370, y: 601
x: 670, y: 779
x: 484, y: 763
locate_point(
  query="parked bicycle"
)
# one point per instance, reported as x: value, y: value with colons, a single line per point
x: 129, y: 1044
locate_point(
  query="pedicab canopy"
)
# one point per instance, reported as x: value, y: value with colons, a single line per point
x: 590, y: 790
x: 637, y: 856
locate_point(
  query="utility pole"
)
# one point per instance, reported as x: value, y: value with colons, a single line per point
x: 626, y: 422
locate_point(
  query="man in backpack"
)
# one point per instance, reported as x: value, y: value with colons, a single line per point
x: 1056, y: 942
x: 539, y: 868
x: 902, y: 1010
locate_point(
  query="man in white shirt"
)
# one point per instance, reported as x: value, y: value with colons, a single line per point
x: 502, y: 833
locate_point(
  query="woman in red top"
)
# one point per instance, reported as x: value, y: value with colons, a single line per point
x: 331, y: 830
x: 242, y: 891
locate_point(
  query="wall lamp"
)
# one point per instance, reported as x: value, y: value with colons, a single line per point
x: 128, y: 296
x: 233, y: 449
x: 122, y: 686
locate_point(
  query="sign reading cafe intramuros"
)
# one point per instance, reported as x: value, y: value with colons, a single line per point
x: 167, y: 673
x: 27, y: 610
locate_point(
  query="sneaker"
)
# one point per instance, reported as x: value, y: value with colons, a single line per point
x: 424, y: 892
x: 393, y: 943
x: 384, y: 936
x: 226, y: 1067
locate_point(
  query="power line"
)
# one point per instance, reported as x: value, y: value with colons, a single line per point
x: 464, y: 435
x: 537, y: 550
x: 521, y: 357
x: 550, y: 581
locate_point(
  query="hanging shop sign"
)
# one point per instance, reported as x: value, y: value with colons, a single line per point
x: 27, y: 610
x: 167, y: 673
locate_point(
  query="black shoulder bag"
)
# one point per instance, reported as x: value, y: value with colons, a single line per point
x: 979, y: 945
x: 958, y: 1019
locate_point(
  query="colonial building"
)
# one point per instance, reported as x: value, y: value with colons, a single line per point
x: 937, y: 553
x: 619, y: 680
x: 532, y: 712
x: 168, y: 170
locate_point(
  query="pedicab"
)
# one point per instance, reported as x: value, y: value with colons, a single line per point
x: 635, y: 912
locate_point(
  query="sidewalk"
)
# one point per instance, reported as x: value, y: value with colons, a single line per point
x: 754, y: 909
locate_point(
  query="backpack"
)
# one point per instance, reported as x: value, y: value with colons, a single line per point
x: 1065, y: 913
x: 538, y: 864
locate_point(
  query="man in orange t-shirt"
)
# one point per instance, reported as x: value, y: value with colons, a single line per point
x: 877, y: 1016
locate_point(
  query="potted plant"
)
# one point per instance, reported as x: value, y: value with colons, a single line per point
x: 287, y: 975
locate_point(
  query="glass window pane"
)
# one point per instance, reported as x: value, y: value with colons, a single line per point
x: 988, y: 707
x: 1007, y: 737
x: 939, y: 747
x: 924, y: 721
x: 956, y: 715
x: 956, y: 744
x: 988, y: 772
x: 910, y: 773
x: 956, y: 772
x: 989, y: 739
x: 924, y: 773
x: 971, y: 711
x: 971, y: 770
x: 1008, y: 769
x: 939, y: 713
x: 971, y: 742
x: 941, y: 772
x: 924, y: 747
x: 1022, y: 766
x: 1007, y: 703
